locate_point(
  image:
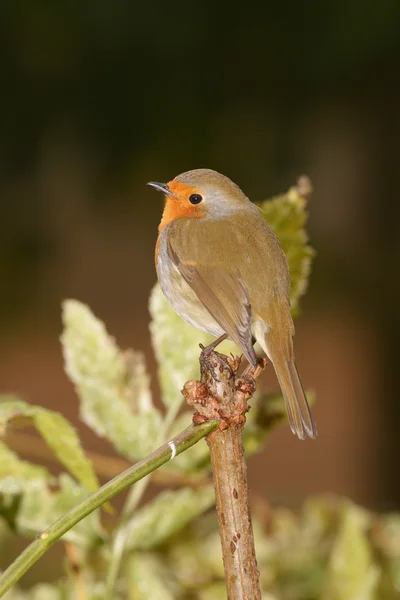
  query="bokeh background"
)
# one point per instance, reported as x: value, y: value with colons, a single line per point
x: 99, y: 98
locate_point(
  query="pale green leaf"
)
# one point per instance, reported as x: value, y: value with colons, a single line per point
x: 30, y: 507
x: 41, y: 591
x: 287, y: 216
x: 352, y: 574
x: 113, y: 387
x: 176, y: 346
x: 387, y: 536
x: 11, y: 407
x: 62, y: 438
x: 155, y: 522
x: 57, y: 432
x: 12, y: 466
x: 45, y: 591
x: 196, y: 552
x: 186, y: 555
x: 63, y: 589
x: 215, y: 591
x: 148, y: 578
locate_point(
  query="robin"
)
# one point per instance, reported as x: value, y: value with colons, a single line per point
x: 223, y: 270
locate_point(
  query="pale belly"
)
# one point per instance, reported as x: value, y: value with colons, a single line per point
x: 181, y: 296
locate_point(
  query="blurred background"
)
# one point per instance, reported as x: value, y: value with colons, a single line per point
x: 99, y: 98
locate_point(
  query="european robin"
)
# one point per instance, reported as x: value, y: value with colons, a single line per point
x: 223, y: 270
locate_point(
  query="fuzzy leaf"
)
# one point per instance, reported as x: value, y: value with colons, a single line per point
x: 148, y: 577
x: 166, y: 515
x: 62, y: 438
x: 351, y: 575
x: 57, y: 432
x: 215, y: 591
x: 30, y: 506
x: 113, y: 387
x: 12, y: 466
x: 186, y: 554
x: 287, y: 216
x: 41, y: 591
x: 176, y: 346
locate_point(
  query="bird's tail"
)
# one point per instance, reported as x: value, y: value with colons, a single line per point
x: 299, y: 414
x: 277, y: 342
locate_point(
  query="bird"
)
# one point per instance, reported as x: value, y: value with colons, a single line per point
x: 223, y: 270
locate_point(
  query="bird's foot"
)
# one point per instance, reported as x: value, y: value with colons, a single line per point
x: 208, y: 349
x: 256, y: 371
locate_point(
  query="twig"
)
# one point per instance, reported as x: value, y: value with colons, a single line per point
x: 106, y: 467
x: 187, y: 438
x: 223, y: 394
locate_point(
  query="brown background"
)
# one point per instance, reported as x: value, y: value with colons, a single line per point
x: 96, y: 100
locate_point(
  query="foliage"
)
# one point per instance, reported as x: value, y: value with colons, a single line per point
x: 287, y: 216
x: 332, y: 550
x: 113, y: 386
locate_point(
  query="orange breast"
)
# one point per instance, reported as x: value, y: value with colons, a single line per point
x: 179, y: 207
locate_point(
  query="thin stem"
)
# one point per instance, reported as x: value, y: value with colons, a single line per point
x: 187, y: 438
x: 106, y: 467
x: 134, y: 497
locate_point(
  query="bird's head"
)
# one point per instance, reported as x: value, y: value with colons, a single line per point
x: 199, y: 194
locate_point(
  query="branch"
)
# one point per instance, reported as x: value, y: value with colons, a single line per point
x: 187, y: 438
x: 106, y: 467
x: 222, y: 394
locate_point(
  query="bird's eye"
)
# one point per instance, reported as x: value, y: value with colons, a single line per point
x: 195, y: 198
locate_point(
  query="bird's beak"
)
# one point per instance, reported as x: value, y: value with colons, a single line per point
x: 161, y: 187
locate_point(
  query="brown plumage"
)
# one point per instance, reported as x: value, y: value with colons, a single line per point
x: 224, y: 271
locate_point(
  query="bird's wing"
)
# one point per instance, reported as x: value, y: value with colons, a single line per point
x: 222, y: 292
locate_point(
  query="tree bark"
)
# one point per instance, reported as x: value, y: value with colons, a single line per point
x: 222, y: 394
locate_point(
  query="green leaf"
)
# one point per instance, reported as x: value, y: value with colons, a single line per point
x: 30, y: 506
x: 57, y: 432
x: 41, y: 591
x: 287, y: 216
x: 176, y: 346
x: 148, y: 578
x: 16, y: 478
x: 62, y: 438
x: 113, y: 387
x: 352, y: 574
x: 215, y: 591
x: 166, y: 515
x: 12, y: 466
x: 186, y: 557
